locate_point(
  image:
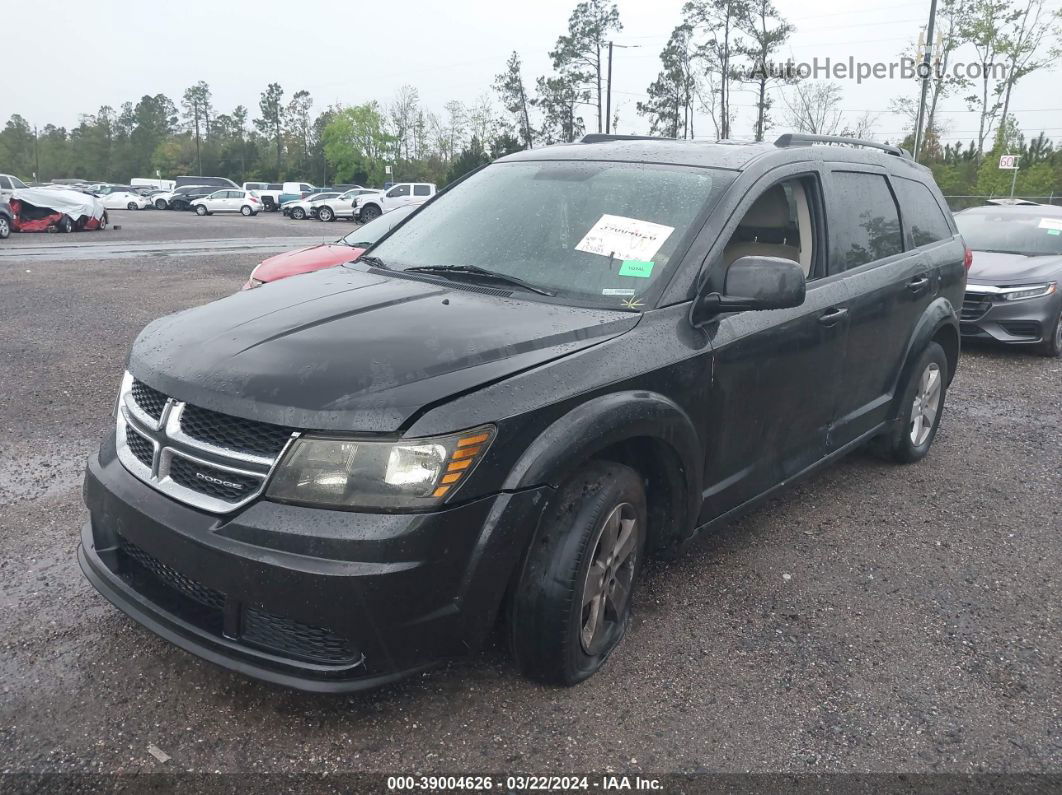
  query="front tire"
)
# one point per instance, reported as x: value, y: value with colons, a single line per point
x: 132, y: 206
x: 66, y: 224
x: 1052, y: 343
x: 5, y: 228
x: 160, y: 204
x: 571, y: 606
x: 200, y: 210
x: 326, y: 214
x: 297, y: 213
x: 920, y: 409
x: 370, y: 212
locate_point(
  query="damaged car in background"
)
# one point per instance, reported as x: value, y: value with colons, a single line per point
x: 42, y: 210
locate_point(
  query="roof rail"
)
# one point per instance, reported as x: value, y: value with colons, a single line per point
x: 601, y: 138
x: 803, y: 139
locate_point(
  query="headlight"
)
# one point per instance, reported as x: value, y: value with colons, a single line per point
x: 1030, y: 291
x: 354, y: 473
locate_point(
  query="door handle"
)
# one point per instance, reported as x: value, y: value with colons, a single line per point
x: 832, y: 316
x: 917, y: 283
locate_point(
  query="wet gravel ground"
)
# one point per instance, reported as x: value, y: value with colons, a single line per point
x: 156, y: 225
x: 874, y: 618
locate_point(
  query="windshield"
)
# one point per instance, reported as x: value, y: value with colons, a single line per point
x: 1013, y: 233
x: 591, y: 231
x: 367, y: 234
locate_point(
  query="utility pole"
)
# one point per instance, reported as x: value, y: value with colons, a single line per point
x: 36, y: 157
x: 608, y: 95
x: 198, y: 159
x: 926, y: 72
x: 608, y: 91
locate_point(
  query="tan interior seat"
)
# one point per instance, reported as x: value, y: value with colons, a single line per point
x: 766, y: 223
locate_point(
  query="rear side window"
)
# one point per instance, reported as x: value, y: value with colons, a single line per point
x: 865, y: 224
x: 5, y: 183
x: 923, y: 215
x: 421, y: 190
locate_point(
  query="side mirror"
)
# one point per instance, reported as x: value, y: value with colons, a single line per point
x: 755, y: 283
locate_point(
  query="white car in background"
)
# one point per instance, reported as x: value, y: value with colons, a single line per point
x: 404, y: 194
x: 307, y: 208
x: 343, y: 206
x: 122, y: 197
x: 245, y: 202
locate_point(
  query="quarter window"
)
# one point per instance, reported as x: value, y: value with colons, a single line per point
x: 922, y: 213
x: 865, y: 225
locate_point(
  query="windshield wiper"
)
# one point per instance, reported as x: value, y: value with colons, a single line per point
x: 449, y: 271
x: 374, y: 262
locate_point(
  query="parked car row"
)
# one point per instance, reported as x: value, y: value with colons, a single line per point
x: 358, y: 203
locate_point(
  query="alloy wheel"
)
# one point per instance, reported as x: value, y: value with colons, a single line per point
x: 609, y: 578
x: 926, y: 404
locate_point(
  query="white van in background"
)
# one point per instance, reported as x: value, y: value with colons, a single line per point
x: 161, y: 184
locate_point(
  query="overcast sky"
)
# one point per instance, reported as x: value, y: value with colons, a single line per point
x: 349, y: 52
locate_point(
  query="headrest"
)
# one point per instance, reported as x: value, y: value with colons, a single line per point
x: 770, y: 211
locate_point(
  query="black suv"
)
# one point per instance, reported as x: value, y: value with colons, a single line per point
x: 573, y: 358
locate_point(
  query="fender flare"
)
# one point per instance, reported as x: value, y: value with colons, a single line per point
x: 608, y: 420
x: 940, y: 314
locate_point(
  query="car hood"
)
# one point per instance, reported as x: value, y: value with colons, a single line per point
x: 304, y: 260
x: 346, y: 349
x: 990, y: 267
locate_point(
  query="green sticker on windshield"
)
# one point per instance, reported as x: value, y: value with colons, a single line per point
x: 1054, y: 231
x: 636, y: 267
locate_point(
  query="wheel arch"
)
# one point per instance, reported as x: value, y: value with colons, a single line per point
x: 939, y: 324
x: 643, y: 430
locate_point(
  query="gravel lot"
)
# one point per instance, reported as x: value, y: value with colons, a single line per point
x: 874, y: 618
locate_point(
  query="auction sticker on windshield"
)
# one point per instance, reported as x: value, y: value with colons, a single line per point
x: 624, y: 238
x: 1051, y: 223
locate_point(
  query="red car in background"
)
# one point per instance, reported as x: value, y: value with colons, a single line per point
x: 326, y: 255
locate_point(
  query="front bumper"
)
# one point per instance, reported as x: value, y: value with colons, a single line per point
x: 985, y: 316
x: 314, y: 599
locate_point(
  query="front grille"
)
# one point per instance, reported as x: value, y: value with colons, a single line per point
x: 234, y: 433
x: 171, y: 577
x: 975, y: 305
x: 151, y: 401
x: 140, y: 447
x: 205, y: 608
x: 218, y: 483
x: 293, y: 638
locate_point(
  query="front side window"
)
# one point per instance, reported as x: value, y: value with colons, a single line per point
x: 601, y: 232
x: 865, y: 223
x: 17, y: 184
x: 921, y: 212
x: 398, y: 190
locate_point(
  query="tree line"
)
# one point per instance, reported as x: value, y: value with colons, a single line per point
x: 719, y: 50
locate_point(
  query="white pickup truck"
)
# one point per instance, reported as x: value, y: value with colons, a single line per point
x: 368, y: 207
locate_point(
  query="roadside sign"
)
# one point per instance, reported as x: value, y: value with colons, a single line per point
x: 1009, y: 162
x: 387, y: 169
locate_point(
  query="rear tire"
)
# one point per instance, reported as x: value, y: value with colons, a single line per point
x: 132, y: 206
x: 160, y: 204
x: 104, y: 220
x: 921, y: 407
x: 571, y: 606
x: 1052, y: 343
x: 326, y: 214
x: 5, y: 228
x: 200, y: 210
x: 246, y: 211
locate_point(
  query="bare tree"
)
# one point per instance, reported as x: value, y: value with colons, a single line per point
x: 767, y: 32
x: 814, y: 107
x: 1029, y: 28
x: 719, y: 20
